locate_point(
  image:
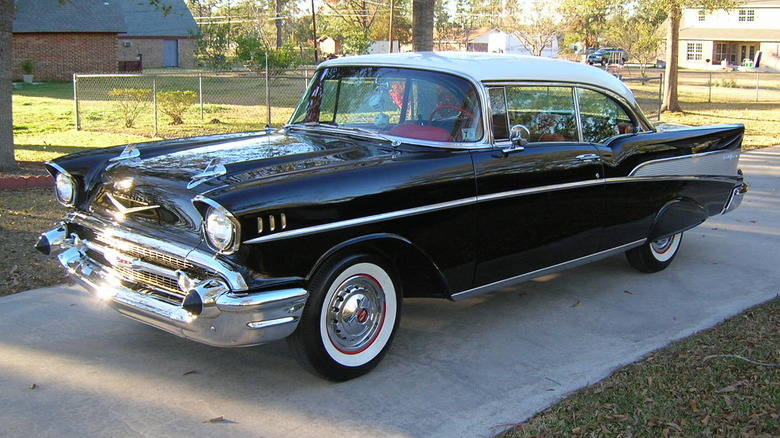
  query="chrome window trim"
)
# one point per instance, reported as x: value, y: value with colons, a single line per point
x: 192, y: 255
x: 632, y: 108
x: 486, y: 142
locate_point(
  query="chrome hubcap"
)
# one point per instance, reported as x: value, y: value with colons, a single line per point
x: 663, y: 245
x: 355, y: 314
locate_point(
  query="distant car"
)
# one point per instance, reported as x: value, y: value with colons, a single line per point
x: 608, y: 55
x: 445, y: 175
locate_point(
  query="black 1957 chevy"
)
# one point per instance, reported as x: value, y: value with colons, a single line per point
x: 405, y: 175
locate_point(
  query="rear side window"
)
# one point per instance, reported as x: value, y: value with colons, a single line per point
x: 602, y: 117
x: 550, y: 113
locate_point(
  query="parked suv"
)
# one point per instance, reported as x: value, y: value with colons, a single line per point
x: 608, y: 55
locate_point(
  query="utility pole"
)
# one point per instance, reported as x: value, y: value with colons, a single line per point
x: 392, y: 16
x: 314, y: 33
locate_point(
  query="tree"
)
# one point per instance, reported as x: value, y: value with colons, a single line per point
x: 673, y: 9
x: 535, y: 28
x: 586, y: 20
x: 639, y: 32
x: 422, y: 32
x: 7, y: 159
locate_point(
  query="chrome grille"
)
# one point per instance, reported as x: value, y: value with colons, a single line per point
x: 146, y: 254
x: 168, y: 286
x: 164, y: 287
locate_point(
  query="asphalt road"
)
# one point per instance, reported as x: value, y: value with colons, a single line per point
x: 71, y: 368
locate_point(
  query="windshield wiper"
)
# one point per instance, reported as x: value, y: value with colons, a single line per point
x: 333, y: 127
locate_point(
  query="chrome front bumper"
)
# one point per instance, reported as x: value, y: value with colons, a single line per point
x: 211, y: 311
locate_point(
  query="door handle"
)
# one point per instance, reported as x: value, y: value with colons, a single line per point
x: 589, y: 157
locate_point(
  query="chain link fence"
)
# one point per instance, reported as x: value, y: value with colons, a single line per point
x: 717, y: 87
x: 181, y: 105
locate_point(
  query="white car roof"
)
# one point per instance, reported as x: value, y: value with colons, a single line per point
x: 494, y: 67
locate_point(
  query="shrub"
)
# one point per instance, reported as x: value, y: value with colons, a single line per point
x: 131, y: 101
x: 727, y: 83
x: 252, y: 51
x: 174, y: 103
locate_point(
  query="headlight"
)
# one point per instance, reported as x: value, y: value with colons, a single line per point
x: 221, y: 229
x: 65, y: 189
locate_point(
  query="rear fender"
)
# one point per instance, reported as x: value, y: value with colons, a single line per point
x: 677, y: 216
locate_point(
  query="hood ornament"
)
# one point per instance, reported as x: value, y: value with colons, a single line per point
x: 213, y: 170
x: 128, y: 153
x: 123, y: 211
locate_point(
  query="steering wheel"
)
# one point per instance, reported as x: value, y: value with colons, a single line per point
x: 468, y: 114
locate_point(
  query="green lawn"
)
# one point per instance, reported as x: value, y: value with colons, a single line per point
x: 44, y: 114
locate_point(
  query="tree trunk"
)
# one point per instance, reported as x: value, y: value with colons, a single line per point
x: 670, y: 102
x: 7, y: 160
x: 422, y: 34
x: 278, y: 22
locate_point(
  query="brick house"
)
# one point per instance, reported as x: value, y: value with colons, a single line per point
x: 162, y: 39
x: 77, y: 36
x: 97, y: 36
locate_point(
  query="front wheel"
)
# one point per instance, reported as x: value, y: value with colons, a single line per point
x: 655, y: 256
x: 349, y: 320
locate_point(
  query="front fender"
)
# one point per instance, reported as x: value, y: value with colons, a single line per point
x: 419, y: 275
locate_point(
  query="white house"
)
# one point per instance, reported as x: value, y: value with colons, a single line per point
x: 497, y: 41
x: 742, y: 37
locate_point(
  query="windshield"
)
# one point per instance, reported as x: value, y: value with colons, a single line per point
x: 407, y: 103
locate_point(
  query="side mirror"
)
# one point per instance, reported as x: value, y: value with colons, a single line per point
x: 519, y: 135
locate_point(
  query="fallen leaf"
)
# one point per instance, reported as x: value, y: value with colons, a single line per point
x: 215, y: 420
x: 577, y: 304
x: 33, y: 386
x: 726, y: 390
x: 190, y: 372
x: 628, y: 292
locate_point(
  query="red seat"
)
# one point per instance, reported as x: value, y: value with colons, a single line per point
x: 420, y: 132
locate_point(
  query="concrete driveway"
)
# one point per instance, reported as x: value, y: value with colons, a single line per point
x: 456, y: 369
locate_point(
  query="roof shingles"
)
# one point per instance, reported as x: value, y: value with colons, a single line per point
x: 88, y: 16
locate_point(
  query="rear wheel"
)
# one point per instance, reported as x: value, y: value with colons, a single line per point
x: 655, y: 256
x: 349, y: 320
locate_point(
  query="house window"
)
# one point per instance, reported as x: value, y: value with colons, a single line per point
x: 694, y: 52
x: 747, y: 15
x: 721, y: 53
x: 127, y: 44
x: 702, y: 15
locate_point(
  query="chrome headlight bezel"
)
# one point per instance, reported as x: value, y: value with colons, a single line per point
x: 220, y: 228
x: 65, y: 189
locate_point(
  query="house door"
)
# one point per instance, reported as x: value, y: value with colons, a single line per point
x: 747, y: 53
x: 170, y: 53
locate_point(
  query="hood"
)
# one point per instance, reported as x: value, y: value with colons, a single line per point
x: 156, y: 187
